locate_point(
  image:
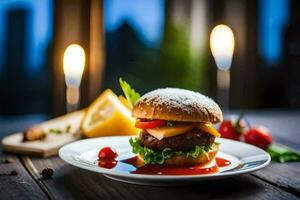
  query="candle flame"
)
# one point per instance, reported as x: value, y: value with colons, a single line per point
x: 222, y: 46
x: 73, y: 62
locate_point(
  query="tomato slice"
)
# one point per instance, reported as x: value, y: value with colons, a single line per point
x: 149, y: 124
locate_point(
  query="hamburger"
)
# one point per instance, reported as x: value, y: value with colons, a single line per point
x: 176, y: 127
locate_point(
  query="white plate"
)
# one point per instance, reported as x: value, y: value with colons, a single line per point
x: 244, y: 158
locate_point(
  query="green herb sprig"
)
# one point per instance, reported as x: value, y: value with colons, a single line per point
x: 169, y: 124
x: 60, y: 131
x: 131, y: 95
x: 283, y: 154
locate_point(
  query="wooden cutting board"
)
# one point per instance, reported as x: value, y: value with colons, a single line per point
x: 52, y: 142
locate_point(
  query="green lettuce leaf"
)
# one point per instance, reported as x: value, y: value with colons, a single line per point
x: 159, y: 157
x: 131, y: 95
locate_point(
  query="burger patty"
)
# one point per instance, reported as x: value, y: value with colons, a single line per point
x: 183, y: 142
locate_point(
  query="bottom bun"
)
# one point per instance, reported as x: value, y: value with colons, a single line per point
x: 189, y: 161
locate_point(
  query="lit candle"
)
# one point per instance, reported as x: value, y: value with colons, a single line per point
x: 222, y: 48
x: 73, y: 63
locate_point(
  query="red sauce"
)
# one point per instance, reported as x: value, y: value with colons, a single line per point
x: 132, y: 161
x: 221, y: 162
x: 132, y: 165
x: 172, y: 170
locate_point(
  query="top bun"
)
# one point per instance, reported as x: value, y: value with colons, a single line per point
x: 174, y: 104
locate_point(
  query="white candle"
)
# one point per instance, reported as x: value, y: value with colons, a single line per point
x: 222, y: 48
x: 73, y: 63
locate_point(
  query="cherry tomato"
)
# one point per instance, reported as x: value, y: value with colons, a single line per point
x: 149, y: 124
x: 259, y: 136
x: 227, y: 130
x: 106, y: 153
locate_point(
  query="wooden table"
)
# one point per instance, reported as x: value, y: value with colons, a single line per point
x: 277, y: 181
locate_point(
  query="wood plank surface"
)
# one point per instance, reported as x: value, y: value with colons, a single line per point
x: 285, y: 129
x: 277, y: 181
x: 70, y: 182
x: 284, y: 176
x: 22, y: 185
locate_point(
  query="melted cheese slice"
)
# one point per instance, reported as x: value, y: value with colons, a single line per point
x: 208, y: 128
x: 166, y: 131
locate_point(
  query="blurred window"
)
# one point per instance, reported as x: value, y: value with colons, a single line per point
x: 273, y: 18
x: 38, y: 33
x: 145, y: 17
x: 25, y: 41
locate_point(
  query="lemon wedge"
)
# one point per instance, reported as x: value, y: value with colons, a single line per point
x: 107, y: 115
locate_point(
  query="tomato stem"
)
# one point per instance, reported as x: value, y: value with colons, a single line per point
x: 247, y: 122
x: 236, y: 124
x: 240, y: 118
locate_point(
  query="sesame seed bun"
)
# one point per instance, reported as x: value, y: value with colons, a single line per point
x: 174, y: 104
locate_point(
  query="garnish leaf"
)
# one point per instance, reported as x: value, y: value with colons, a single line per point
x: 131, y: 95
x: 281, y: 153
x: 169, y: 124
x: 55, y: 131
x: 60, y: 131
x: 68, y: 128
